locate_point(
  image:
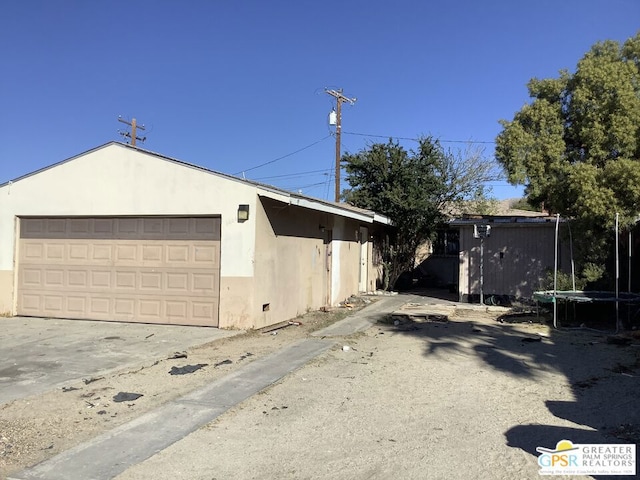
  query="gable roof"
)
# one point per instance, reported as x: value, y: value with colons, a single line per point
x: 275, y: 193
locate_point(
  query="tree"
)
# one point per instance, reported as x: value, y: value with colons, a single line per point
x: 576, y: 145
x: 417, y: 190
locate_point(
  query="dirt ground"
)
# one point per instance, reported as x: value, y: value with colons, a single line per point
x: 413, y: 397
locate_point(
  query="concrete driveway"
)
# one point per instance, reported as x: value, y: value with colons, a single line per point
x: 38, y: 354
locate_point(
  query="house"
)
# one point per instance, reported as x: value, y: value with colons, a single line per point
x: 517, y: 252
x: 123, y: 234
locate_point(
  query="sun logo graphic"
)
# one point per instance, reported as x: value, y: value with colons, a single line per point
x: 561, y: 457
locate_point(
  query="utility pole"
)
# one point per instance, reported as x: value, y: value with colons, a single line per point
x: 340, y: 98
x: 133, y: 136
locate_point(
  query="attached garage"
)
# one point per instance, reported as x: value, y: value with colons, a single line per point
x: 135, y: 269
x: 119, y: 233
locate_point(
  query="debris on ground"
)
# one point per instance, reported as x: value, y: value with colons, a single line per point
x: 273, y: 329
x: 246, y: 355
x: 177, y: 355
x: 126, y: 397
x: 223, y: 362
x: 186, y: 369
x: 87, y: 381
x: 69, y: 389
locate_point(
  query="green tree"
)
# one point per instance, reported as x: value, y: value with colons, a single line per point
x: 416, y: 189
x: 576, y: 145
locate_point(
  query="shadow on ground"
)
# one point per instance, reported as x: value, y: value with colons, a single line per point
x: 603, y: 377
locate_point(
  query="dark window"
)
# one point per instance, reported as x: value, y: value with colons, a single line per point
x: 447, y: 242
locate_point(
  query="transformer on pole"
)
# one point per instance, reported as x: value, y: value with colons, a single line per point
x: 336, y: 117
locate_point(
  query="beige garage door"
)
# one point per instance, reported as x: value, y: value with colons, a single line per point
x: 142, y: 269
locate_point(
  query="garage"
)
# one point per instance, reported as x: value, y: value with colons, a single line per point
x: 119, y: 233
x: 134, y: 269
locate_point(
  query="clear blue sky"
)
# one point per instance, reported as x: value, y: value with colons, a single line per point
x: 230, y: 85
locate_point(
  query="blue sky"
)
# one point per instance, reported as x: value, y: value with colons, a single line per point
x: 231, y: 85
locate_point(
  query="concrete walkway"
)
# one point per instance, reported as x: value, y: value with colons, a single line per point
x: 113, y: 452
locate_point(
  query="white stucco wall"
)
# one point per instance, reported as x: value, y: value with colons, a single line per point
x: 116, y: 180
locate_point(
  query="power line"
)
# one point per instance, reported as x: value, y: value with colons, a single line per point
x: 296, y: 175
x: 304, y: 186
x: 416, y: 139
x: 284, y: 156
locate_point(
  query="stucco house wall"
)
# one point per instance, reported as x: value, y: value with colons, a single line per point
x: 290, y: 261
x: 117, y: 181
x: 272, y: 267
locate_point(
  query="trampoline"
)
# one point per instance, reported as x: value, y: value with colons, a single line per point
x: 579, y: 296
x: 632, y: 300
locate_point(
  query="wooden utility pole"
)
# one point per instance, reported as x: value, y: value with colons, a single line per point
x: 340, y: 98
x: 133, y: 136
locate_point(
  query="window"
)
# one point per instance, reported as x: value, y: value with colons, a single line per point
x: 447, y: 242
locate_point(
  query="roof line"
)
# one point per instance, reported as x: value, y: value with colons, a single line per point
x: 354, y: 211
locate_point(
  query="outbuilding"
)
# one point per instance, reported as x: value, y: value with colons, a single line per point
x: 119, y: 233
x: 516, y: 254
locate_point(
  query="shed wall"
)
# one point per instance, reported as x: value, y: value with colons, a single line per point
x: 516, y: 258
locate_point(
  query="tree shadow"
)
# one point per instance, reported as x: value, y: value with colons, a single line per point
x: 603, y: 377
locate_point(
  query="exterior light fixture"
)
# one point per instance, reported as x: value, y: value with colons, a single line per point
x: 243, y: 213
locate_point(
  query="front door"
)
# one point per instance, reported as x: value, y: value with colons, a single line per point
x: 328, y: 260
x: 364, y: 257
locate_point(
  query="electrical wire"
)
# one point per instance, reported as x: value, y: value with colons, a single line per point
x: 284, y: 156
x: 415, y: 139
x: 294, y: 175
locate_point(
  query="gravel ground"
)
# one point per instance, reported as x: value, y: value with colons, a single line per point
x: 36, y: 428
x: 469, y: 398
x: 464, y: 398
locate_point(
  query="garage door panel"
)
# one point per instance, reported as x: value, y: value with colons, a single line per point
x: 76, y: 305
x: 32, y: 251
x: 54, y: 252
x: 54, y: 278
x: 101, y: 252
x: 126, y: 280
x: 78, y: 252
x: 100, y: 306
x: 53, y: 303
x: 127, y: 253
x: 150, y: 282
x: 125, y: 306
x: 77, y: 279
x: 100, y: 279
x: 82, y: 226
x: 151, y: 253
x: 177, y: 254
x: 103, y: 227
x: 32, y: 277
x: 161, y: 270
